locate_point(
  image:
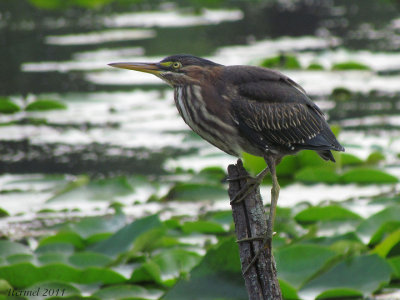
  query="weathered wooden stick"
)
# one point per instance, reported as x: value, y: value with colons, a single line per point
x: 250, y: 221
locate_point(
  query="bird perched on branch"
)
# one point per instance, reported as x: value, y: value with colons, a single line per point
x: 245, y: 109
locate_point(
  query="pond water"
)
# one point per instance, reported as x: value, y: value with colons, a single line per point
x: 125, y: 123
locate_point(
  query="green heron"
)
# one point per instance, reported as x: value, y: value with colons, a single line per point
x: 245, y: 109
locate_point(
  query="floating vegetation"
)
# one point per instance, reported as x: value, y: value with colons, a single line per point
x: 349, y: 65
x: 8, y: 107
x: 45, y: 104
x: 282, y: 62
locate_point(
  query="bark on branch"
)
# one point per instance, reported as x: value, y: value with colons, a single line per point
x: 250, y: 221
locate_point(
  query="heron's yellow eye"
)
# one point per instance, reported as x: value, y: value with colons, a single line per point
x: 176, y: 65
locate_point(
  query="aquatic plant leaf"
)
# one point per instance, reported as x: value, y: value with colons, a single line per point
x: 45, y: 104
x: 50, y: 258
x: 372, y: 229
x: 89, y: 259
x: 8, y: 248
x: 384, y: 247
x: 195, y: 192
x: 325, y: 213
x: 350, y: 65
x: 282, y: 61
x: 90, y: 226
x: 95, y: 190
x: 8, y: 107
x: 203, y: 227
x: 22, y: 275
x: 253, y: 164
x: 64, y: 237
x: 125, y: 291
x: 367, y: 175
x: 166, y: 267
x: 18, y: 258
x: 51, y: 289
x: 317, y: 174
x: 122, y: 240
x: 348, y: 159
x: 395, y: 264
x: 297, y: 263
x: 288, y: 291
x: 56, y: 247
x: 351, y: 277
x: 218, y: 276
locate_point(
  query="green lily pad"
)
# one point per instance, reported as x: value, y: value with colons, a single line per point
x: 350, y: 65
x: 372, y: 229
x: 166, y: 267
x: 375, y: 157
x: 297, y: 263
x: 367, y: 175
x: 317, y: 174
x: 23, y: 275
x: 383, y: 248
x: 17, y: 258
x: 90, y: 226
x: 288, y: 291
x: 52, y: 289
x: 195, y: 192
x: 89, y: 259
x: 203, y: 227
x: 282, y: 61
x: 9, y: 248
x: 315, y: 67
x: 122, y: 240
x: 96, y: 190
x: 348, y: 159
x: 50, y: 258
x: 130, y: 291
x: 350, y: 277
x: 395, y: 263
x: 253, y: 164
x: 64, y: 237
x: 325, y: 213
x: 56, y: 247
x: 218, y: 276
x: 45, y: 104
x: 8, y: 106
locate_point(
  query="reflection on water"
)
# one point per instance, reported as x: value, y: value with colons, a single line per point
x: 126, y: 122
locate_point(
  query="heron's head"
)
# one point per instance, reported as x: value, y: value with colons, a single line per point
x: 175, y: 70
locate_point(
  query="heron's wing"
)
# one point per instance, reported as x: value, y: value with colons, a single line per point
x: 274, y: 111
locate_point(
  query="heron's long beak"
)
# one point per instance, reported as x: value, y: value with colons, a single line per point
x: 152, y: 68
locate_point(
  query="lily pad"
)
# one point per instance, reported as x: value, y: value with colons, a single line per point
x: 89, y: 259
x: 218, y: 276
x: 203, y: 227
x: 45, y: 104
x: 367, y: 175
x: 125, y: 291
x: 383, y: 248
x: 351, y: 277
x: 372, y: 229
x: 166, y: 267
x: 395, y: 263
x: 196, y: 192
x: 325, y: 213
x: 8, y: 248
x: 297, y: 263
x: 317, y: 174
x: 350, y: 65
x: 8, y: 107
x: 122, y: 240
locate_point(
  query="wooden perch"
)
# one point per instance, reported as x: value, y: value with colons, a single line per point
x: 250, y: 221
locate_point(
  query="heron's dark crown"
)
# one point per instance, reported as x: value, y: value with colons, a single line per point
x: 189, y: 60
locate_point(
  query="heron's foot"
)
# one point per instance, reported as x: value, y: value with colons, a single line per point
x: 251, y: 184
x: 266, y: 244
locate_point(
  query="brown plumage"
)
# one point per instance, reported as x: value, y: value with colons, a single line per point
x: 245, y: 109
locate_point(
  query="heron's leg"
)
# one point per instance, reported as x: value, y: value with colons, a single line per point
x: 267, y: 239
x: 251, y: 184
